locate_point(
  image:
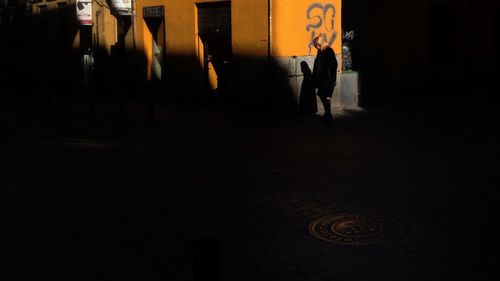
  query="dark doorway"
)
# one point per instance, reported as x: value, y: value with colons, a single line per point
x: 155, y: 20
x: 214, y: 31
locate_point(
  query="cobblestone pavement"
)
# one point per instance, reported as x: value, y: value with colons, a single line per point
x: 95, y: 197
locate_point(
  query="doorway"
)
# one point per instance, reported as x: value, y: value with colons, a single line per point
x: 214, y: 35
x: 155, y: 21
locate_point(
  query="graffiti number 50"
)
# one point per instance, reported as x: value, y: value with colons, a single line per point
x: 322, y: 19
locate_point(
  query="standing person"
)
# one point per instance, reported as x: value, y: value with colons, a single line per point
x: 325, y: 74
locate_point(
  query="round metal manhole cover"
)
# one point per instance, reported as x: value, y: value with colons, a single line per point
x: 356, y: 229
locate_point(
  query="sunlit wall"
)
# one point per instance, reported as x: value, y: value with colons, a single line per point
x: 269, y: 39
x: 296, y: 23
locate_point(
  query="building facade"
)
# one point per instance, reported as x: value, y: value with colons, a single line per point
x: 254, y: 51
x: 247, y: 50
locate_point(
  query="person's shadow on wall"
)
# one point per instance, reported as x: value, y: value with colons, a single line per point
x: 307, y: 99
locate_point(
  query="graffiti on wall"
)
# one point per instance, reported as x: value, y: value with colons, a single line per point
x: 348, y: 38
x: 321, y: 23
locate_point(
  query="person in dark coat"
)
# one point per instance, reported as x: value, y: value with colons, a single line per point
x: 325, y: 74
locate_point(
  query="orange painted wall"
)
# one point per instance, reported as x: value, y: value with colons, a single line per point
x: 104, y: 27
x: 143, y: 36
x: 180, y: 24
x: 296, y: 22
x: 293, y: 24
x: 180, y: 29
x: 250, y: 25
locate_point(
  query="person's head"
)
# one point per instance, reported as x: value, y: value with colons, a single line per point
x: 319, y: 43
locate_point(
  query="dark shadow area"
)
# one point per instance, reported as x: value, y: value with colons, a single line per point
x: 73, y: 114
x: 225, y: 188
x: 363, y: 17
x: 42, y: 71
x: 39, y: 64
x: 260, y: 85
x: 453, y: 41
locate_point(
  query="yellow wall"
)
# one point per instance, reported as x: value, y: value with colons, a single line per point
x: 179, y: 25
x: 180, y: 29
x: 295, y: 22
x: 249, y: 23
x: 292, y: 25
x: 143, y: 36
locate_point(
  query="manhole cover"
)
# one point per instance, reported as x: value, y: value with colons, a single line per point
x: 355, y: 229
